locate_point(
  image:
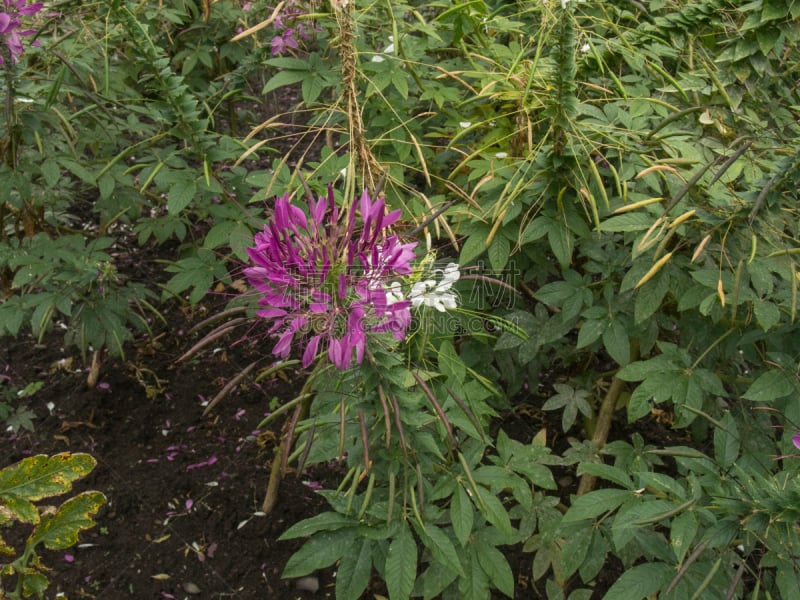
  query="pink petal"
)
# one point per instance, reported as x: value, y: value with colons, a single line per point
x: 796, y: 440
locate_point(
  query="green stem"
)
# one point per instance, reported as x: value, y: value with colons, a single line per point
x: 716, y: 343
x: 11, y: 116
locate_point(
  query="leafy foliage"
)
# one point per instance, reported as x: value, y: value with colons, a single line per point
x: 617, y: 180
x: 28, y: 481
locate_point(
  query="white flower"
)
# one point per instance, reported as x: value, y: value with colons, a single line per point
x: 435, y: 294
x: 394, y: 294
x: 388, y: 50
x: 501, y: 155
x: 465, y: 124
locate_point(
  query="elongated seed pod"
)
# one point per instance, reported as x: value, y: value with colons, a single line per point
x: 655, y: 169
x: 367, y: 496
x: 700, y: 247
x: 648, y: 239
x: 753, y: 248
x: 684, y: 217
x: 736, y: 284
x: 635, y: 205
x: 653, y: 270
x: 721, y: 292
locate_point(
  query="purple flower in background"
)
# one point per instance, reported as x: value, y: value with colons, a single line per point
x: 288, y: 26
x: 282, y: 43
x: 11, y: 25
x: 328, y: 273
x: 796, y: 440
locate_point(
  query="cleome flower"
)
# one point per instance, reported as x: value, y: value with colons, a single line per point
x: 326, y: 275
x: 437, y: 294
x: 11, y: 26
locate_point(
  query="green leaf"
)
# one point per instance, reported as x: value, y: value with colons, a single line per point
x: 770, y: 386
x: 181, y: 193
x: 38, y: 477
x: 496, y: 567
x: 354, y: 571
x: 473, y: 247
x: 639, y: 370
x: 33, y: 583
x: 575, y: 549
x: 634, y: 515
x: 560, y: 239
x: 327, y: 521
x: 283, y: 79
x: 401, y: 565
x: 726, y: 442
x: 106, y: 185
x: 450, y: 362
x: 322, y: 550
x: 78, y: 169
x: 51, y: 172
x: 475, y: 586
x: 616, y: 342
x: 595, y: 503
x: 767, y: 314
x: 461, y: 515
x: 498, y: 253
x: 219, y: 234
x: 650, y: 296
x: 590, y: 332
x: 21, y: 509
x: 400, y: 82
x: 60, y: 531
x: 441, y: 548
x: 632, y: 221
x: 682, y: 532
x: 595, y: 556
x: 434, y: 580
x: 640, y: 582
x: 496, y: 513
x: 311, y: 88
x: 608, y: 472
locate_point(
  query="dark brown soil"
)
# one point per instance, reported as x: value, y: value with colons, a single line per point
x: 183, y: 490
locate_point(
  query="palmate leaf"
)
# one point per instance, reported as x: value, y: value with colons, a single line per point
x: 60, y: 530
x: 41, y: 476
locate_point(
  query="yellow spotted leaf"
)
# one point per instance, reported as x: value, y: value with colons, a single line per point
x: 41, y: 476
x: 60, y: 530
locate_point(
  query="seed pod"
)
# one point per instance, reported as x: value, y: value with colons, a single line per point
x: 654, y: 269
x: 700, y: 247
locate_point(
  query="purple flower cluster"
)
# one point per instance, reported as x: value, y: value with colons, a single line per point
x: 11, y: 25
x: 328, y: 274
x: 287, y: 28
